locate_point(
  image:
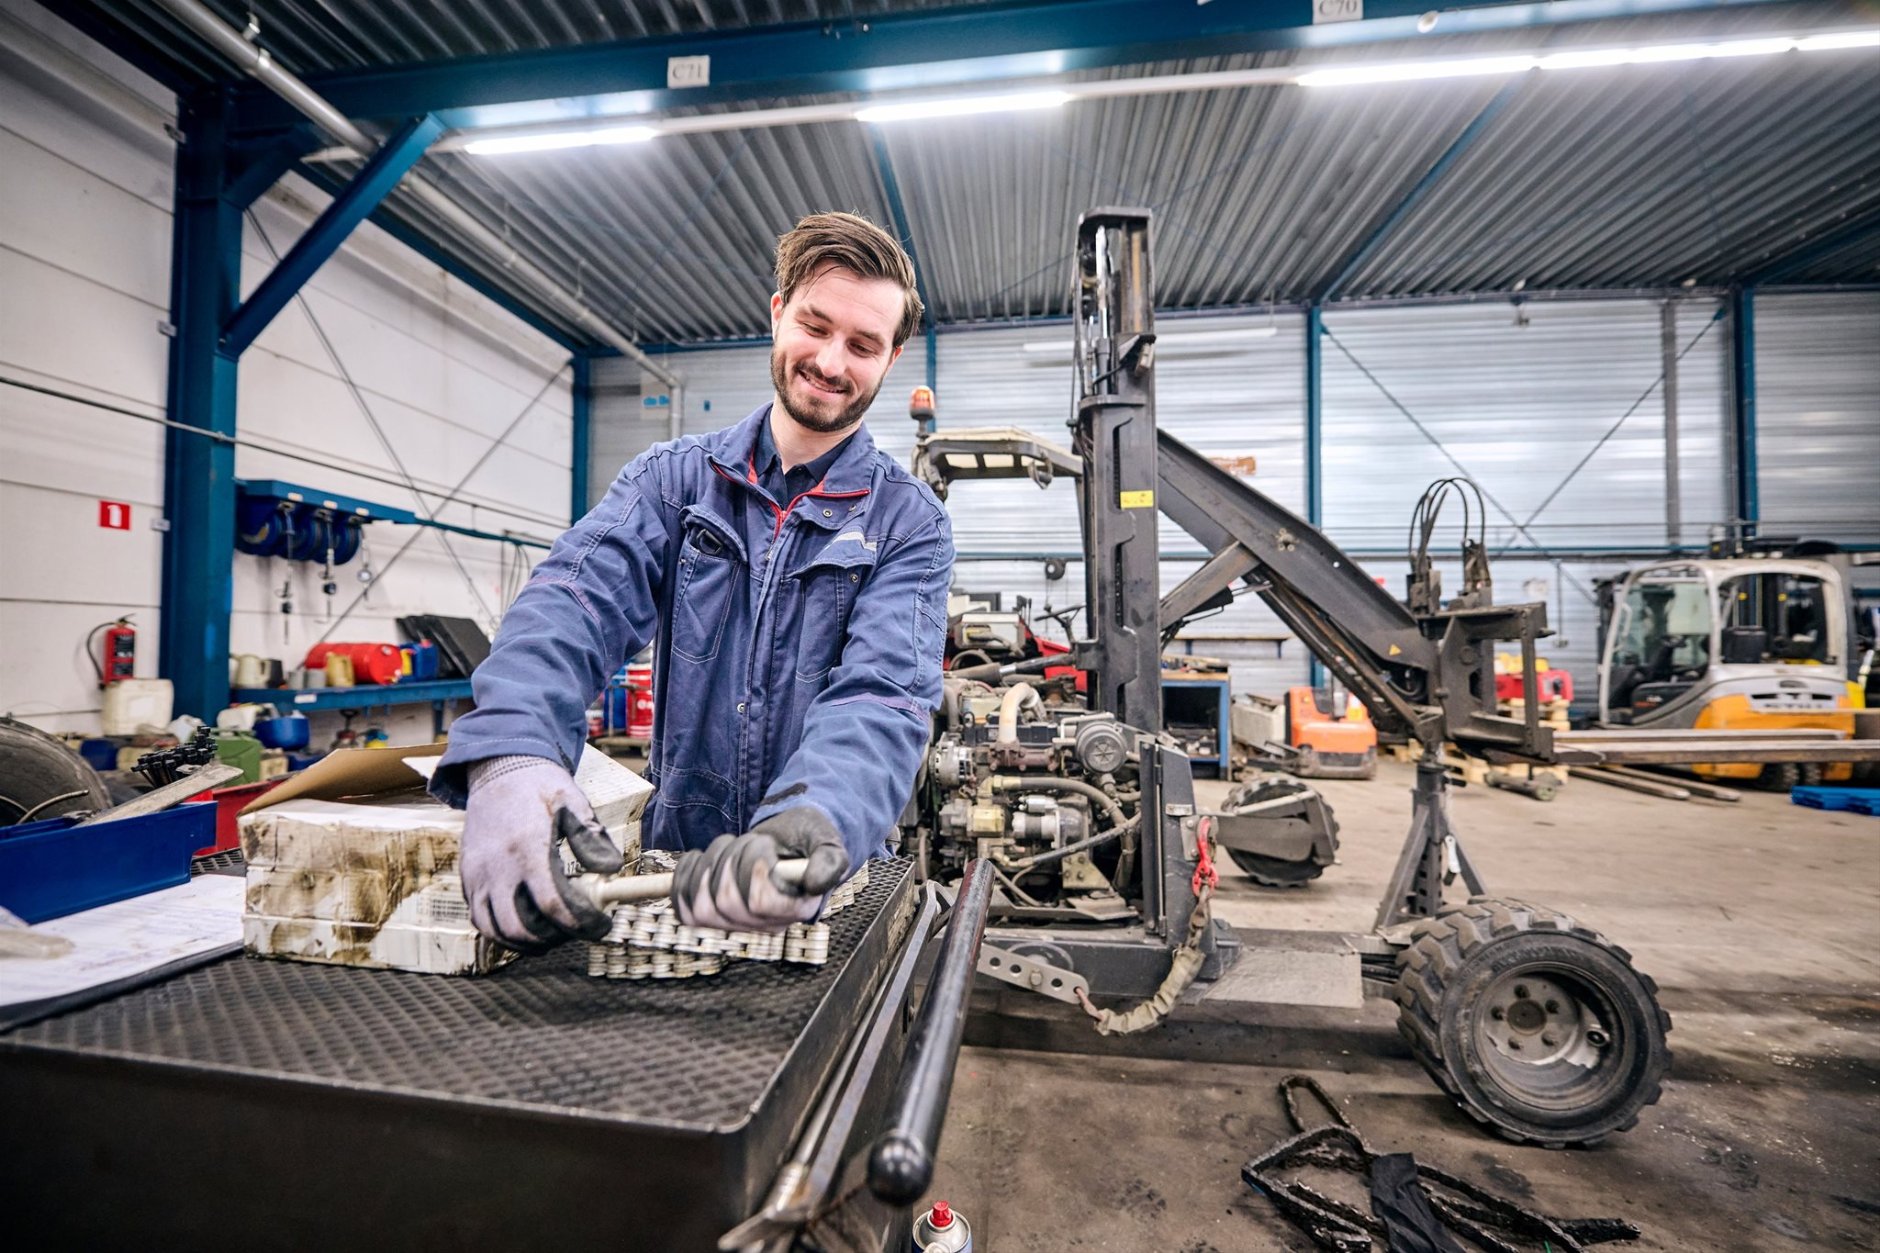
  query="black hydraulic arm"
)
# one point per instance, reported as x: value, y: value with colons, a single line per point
x: 1367, y: 639
x: 1430, y: 677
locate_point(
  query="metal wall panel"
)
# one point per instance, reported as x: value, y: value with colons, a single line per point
x: 1818, y: 414
x: 1516, y: 407
x: 722, y: 387
x: 1231, y: 399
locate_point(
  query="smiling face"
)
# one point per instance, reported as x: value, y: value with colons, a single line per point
x: 831, y: 346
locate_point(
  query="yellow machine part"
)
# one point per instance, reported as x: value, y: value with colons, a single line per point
x: 1734, y: 713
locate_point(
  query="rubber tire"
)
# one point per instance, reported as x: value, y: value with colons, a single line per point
x: 1781, y: 776
x: 35, y: 767
x: 1270, y: 872
x: 1455, y: 956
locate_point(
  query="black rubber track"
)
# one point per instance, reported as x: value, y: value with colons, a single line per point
x: 1435, y: 960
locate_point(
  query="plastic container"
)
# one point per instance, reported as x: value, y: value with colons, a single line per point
x: 423, y: 660
x: 50, y: 869
x: 229, y: 802
x: 133, y: 704
x: 241, y: 750
x: 640, y: 701
x: 287, y: 731
x: 365, y: 663
x: 99, y: 754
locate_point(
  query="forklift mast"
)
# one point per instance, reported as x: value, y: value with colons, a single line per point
x: 1427, y: 675
x: 1115, y: 436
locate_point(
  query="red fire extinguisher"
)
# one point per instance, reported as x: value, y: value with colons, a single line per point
x: 120, y: 651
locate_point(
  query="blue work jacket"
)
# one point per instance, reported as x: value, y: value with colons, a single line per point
x: 798, y: 651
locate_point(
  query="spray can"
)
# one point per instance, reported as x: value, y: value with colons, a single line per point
x: 941, y: 1230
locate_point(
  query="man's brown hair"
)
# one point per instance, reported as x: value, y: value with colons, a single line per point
x: 858, y: 246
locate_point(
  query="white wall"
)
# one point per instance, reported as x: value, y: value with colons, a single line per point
x: 85, y: 221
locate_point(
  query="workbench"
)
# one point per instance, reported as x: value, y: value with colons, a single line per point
x: 256, y: 1104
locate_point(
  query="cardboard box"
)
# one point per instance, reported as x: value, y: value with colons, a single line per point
x: 350, y: 862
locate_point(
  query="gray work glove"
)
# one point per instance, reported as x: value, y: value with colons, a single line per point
x: 730, y: 884
x: 512, y: 875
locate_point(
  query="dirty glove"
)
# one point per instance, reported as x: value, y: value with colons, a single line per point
x: 512, y: 876
x: 730, y: 884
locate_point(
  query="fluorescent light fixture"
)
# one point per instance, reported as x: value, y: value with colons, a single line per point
x: 1704, y: 52
x: 1407, y: 71
x: 553, y: 140
x: 962, y: 106
x: 1587, y: 58
x: 1840, y: 39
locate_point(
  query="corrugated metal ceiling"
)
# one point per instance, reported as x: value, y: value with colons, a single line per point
x: 1612, y: 179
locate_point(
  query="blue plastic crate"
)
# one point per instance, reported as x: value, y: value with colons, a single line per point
x: 1845, y: 799
x: 53, y: 868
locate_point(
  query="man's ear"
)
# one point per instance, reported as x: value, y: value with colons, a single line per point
x: 896, y: 355
x: 776, y: 310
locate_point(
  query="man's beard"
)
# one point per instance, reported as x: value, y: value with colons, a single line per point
x: 841, y: 420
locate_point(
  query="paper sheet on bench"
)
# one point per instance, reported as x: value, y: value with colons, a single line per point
x: 126, y: 939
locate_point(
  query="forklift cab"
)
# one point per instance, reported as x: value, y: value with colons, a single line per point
x: 1678, y: 633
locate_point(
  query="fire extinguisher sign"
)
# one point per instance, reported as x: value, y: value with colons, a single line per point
x: 114, y: 515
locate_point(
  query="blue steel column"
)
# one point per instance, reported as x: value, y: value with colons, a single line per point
x: 1315, y: 439
x: 199, y: 474
x: 583, y: 409
x: 1743, y: 398
x: 1315, y: 413
x: 349, y: 208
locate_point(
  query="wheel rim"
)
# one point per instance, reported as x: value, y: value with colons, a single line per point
x: 1550, y: 1037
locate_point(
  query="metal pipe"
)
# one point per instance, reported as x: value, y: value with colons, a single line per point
x: 1015, y: 695
x: 1048, y: 783
x: 258, y: 65
x: 900, y: 1165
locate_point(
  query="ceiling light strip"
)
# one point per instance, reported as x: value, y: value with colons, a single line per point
x: 615, y: 130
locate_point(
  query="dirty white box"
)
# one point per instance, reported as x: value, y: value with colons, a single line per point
x: 350, y: 863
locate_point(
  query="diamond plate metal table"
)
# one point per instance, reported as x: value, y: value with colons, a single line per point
x: 261, y: 1104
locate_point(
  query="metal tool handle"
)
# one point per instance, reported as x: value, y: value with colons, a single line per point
x: 632, y: 889
x: 901, y: 1164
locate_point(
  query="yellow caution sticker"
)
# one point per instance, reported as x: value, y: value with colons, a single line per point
x: 1394, y: 650
x: 1136, y: 500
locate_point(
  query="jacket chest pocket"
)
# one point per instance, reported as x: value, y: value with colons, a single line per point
x: 827, y: 587
x: 710, y: 576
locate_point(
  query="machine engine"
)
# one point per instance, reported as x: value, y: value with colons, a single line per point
x: 1047, y: 793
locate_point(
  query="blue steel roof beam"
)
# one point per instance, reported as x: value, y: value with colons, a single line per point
x: 1477, y: 127
x: 352, y: 206
x: 891, y: 187
x: 1859, y: 227
x: 259, y: 167
x: 923, y: 48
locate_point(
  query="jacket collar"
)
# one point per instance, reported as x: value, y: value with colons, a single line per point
x: 732, y: 449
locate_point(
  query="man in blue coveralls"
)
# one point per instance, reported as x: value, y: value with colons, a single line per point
x: 796, y: 580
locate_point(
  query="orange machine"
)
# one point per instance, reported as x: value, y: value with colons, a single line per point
x: 1330, y: 734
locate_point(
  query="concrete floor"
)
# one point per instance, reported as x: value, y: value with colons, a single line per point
x: 1759, y: 920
